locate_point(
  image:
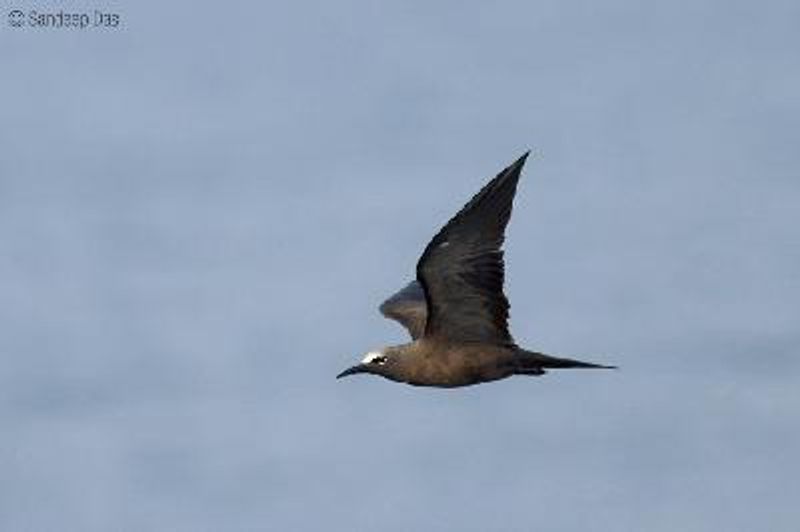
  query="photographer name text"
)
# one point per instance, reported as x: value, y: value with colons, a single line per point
x: 63, y: 19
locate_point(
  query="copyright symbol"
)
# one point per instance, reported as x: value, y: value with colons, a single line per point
x: 16, y: 18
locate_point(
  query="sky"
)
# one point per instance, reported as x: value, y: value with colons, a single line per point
x: 202, y: 207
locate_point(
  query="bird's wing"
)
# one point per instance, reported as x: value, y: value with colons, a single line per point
x: 461, y: 269
x: 408, y: 307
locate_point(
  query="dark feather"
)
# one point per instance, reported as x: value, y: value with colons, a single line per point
x: 461, y: 269
x: 408, y: 307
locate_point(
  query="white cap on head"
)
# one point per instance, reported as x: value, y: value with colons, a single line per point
x: 372, y: 355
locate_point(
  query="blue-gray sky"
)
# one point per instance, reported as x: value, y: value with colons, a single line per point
x: 201, y: 209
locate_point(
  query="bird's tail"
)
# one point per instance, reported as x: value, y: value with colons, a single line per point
x: 530, y: 362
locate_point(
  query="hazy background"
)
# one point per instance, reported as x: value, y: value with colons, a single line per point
x: 201, y: 210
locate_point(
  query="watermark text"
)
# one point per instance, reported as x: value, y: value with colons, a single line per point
x: 61, y: 19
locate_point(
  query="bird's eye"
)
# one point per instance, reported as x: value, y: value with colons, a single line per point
x: 379, y: 360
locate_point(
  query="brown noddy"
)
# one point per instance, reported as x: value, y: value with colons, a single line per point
x: 456, y: 311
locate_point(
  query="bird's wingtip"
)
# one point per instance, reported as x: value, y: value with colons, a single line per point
x: 517, y: 165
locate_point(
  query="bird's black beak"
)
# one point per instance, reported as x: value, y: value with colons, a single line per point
x: 359, y: 368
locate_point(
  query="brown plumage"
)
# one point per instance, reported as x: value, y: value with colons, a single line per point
x: 456, y: 311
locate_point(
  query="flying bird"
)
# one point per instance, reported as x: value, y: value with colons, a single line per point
x: 455, y: 310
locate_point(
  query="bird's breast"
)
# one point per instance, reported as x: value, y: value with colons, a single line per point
x: 453, y: 366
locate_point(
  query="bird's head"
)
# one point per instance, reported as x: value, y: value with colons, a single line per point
x: 381, y: 362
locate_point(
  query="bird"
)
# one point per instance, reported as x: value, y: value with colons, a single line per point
x: 456, y: 311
